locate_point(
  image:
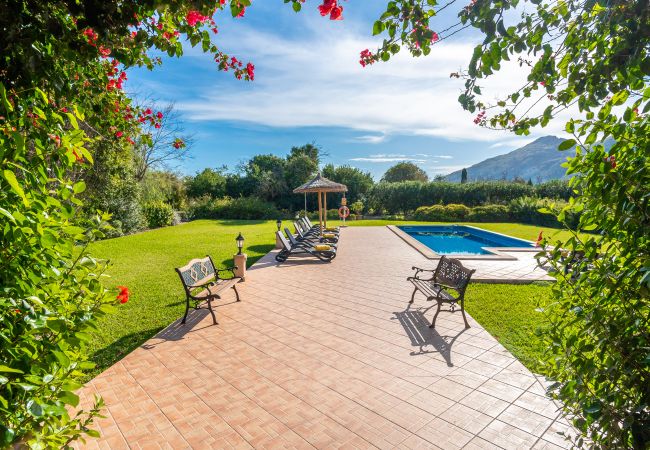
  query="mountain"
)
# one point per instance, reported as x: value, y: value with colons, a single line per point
x: 538, y: 161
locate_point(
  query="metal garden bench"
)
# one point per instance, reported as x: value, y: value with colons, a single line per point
x: 203, y: 284
x: 450, y: 275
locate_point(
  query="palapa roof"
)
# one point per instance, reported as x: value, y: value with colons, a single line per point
x: 320, y: 184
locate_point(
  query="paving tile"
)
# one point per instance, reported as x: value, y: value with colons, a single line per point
x: 328, y: 356
x: 506, y: 436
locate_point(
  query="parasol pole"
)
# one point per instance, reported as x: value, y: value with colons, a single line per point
x: 325, y: 207
x: 305, y: 204
x: 320, y: 212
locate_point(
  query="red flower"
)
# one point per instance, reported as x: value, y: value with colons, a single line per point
x: 104, y: 51
x: 159, y: 115
x: 435, y: 37
x: 611, y: 160
x: 242, y: 12
x: 367, y: 58
x: 332, y: 8
x: 194, y: 17
x: 119, y: 134
x: 147, y: 111
x: 250, y: 69
x: 123, y: 296
x: 78, y: 158
x: 157, y: 125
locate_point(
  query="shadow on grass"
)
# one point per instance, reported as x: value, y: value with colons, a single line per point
x: 261, y: 248
x: 234, y: 222
x: 418, y: 331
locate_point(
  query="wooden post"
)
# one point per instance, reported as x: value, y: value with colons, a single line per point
x: 325, y: 202
x: 320, y: 212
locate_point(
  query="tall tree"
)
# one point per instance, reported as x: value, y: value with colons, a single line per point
x: 405, y: 171
x: 358, y: 182
x: 463, y: 176
x: 162, y: 143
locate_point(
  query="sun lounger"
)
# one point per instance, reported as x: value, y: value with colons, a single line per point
x: 322, y: 252
x: 295, y: 240
x: 310, y: 235
x: 309, y: 225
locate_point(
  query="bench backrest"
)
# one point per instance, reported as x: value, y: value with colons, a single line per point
x: 451, y: 272
x: 197, y: 272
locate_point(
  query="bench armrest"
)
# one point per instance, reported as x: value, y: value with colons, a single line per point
x: 417, y: 272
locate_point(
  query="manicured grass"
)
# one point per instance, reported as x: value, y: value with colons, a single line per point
x: 145, y: 263
x: 508, y: 312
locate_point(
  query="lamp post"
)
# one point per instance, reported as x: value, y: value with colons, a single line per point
x: 240, y: 243
x: 278, y: 242
x: 240, y: 258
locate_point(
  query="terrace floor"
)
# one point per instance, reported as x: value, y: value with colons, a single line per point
x: 326, y: 356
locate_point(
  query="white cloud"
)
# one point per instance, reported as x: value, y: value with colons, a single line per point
x: 317, y: 81
x: 385, y: 159
x: 443, y: 156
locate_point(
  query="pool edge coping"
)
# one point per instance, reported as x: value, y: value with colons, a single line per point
x: 497, y: 255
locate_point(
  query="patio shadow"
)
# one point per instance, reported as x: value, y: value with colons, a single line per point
x: 417, y: 329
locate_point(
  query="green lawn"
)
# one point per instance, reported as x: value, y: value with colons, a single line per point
x: 145, y: 263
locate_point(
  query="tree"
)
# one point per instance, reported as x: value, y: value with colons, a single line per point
x: 591, y: 57
x: 160, y: 143
x: 463, y: 176
x: 358, y: 182
x: 208, y: 182
x: 312, y: 151
x: 405, y: 171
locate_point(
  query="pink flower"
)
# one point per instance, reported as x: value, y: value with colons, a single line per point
x: 367, y: 58
x: 194, y: 17
x: 332, y: 8
x: 104, y: 51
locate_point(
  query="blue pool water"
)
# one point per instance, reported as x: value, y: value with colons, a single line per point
x: 460, y: 240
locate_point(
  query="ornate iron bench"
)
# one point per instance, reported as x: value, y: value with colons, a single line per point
x: 203, y: 284
x: 449, y: 275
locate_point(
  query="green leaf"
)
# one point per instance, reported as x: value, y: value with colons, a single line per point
x: 296, y: 6
x: 378, y: 27
x: 9, y: 369
x: 566, y: 145
x: 15, y: 186
x: 3, y: 96
x: 69, y: 398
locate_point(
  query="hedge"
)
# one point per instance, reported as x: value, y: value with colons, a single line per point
x: 407, y: 196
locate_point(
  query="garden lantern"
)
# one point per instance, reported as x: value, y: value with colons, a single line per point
x: 240, y: 243
x: 279, y: 223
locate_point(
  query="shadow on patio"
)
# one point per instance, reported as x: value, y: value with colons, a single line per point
x: 417, y: 329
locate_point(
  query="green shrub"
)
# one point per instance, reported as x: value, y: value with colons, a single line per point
x: 245, y: 208
x: 489, y: 213
x: 357, y: 207
x: 158, y: 214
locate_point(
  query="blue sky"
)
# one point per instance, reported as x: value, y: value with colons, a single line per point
x: 309, y: 87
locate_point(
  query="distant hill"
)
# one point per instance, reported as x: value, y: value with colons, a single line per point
x: 539, y: 161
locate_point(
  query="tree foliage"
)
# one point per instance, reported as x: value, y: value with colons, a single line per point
x: 404, y: 171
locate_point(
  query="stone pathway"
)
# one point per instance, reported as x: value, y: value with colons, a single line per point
x: 326, y: 356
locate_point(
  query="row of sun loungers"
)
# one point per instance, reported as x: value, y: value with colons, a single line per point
x: 308, y: 241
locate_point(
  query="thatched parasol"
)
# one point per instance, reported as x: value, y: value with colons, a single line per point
x: 321, y: 185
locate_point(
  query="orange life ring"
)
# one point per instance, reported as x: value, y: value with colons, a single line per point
x: 344, y: 212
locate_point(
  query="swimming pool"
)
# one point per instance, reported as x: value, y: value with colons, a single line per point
x: 461, y: 240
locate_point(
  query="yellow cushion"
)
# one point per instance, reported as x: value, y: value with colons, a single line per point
x: 322, y: 248
x: 329, y: 236
x: 331, y: 228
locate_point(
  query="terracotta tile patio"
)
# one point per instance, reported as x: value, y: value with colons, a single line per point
x: 327, y: 356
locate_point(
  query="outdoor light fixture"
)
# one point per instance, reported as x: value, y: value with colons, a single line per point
x: 240, y: 243
x: 279, y: 223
